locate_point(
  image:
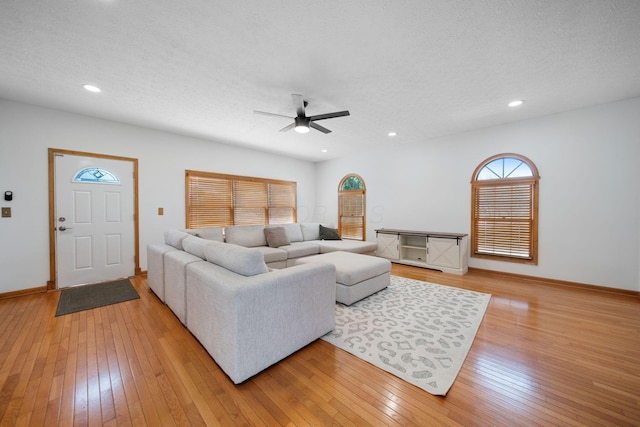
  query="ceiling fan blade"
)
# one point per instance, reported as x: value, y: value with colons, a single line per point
x: 264, y: 113
x: 288, y: 127
x: 318, y: 127
x: 329, y: 115
x: 298, y: 102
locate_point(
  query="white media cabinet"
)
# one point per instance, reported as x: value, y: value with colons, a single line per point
x: 446, y: 252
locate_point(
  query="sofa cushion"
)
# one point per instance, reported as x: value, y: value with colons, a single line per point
x: 175, y: 237
x: 272, y: 254
x: 327, y: 233
x: 310, y: 230
x: 276, y: 236
x: 355, y: 246
x: 240, y: 260
x: 293, y: 232
x: 195, y: 246
x: 208, y: 233
x: 248, y: 236
x: 300, y: 249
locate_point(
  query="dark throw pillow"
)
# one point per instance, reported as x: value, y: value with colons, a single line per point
x: 276, y: 237
x: 329, y: 233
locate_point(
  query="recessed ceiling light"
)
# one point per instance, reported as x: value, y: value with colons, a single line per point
x: 392, y: 134
x: 324, y: 150
x: 516, y: 103
x: 92, y: 88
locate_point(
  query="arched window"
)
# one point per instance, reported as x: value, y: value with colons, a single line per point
x: 352, y: 208
x: 96, y: 176
x: 504, y: 209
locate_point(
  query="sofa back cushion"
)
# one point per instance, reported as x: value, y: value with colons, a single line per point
x: 294, y: 232
x: 240, y: 260
x: 175, y: 237
x: 248, y: 236
x: 195, y: 246
x: 310, y: 230
x: 208, y: 233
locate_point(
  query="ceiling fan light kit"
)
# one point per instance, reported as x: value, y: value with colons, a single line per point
x: 301, y: 125
x: 301, y: 122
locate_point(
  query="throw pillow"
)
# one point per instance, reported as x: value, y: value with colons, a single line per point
x: 329, y: 233
x: 276, y: 236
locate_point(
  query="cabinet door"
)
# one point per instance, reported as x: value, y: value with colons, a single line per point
x: 443, y: 252
x: 388, y: 246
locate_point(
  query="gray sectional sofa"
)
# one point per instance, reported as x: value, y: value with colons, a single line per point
x: 247, y: 302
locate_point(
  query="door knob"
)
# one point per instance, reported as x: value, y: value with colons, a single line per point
x: 63, y: 228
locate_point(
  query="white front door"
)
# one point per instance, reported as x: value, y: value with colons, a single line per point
x: 94, y: 219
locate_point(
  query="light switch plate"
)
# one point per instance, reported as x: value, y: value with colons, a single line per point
x: 6, y: 212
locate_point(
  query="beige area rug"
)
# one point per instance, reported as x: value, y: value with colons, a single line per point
x: 420, y: 332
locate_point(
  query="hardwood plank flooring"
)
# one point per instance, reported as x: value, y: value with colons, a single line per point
x: 544, y: 355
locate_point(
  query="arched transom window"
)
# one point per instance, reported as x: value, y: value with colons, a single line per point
x: 352, y: 208
x: 96, y: 176
x: 504, y: 209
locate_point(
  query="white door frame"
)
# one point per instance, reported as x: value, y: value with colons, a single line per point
x: 51, y: 284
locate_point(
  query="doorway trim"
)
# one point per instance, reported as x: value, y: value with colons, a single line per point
x: 51, y: 284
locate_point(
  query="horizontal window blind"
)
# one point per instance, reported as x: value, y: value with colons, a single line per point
x: 281, y: 202
x: 351, y: 206
x: 208, y: 202
x: 249, y: 202
x: 222, y: 200
x: 503, y: 219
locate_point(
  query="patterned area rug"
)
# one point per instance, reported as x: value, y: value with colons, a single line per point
x: 418, y: 331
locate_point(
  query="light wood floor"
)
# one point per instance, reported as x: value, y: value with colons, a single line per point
x: 544, y: 355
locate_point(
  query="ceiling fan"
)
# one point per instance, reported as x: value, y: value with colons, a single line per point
x: 302, y: 122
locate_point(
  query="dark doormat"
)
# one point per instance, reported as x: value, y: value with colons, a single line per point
x: 92, y: 296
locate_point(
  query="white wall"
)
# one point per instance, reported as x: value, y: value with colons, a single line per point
x: 26, y: 132
x: 589, y: 191
x: 589, y: 229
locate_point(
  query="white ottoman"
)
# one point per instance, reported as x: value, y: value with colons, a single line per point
x: 357, y: 275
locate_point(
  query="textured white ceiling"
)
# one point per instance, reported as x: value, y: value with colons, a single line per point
x: 420, y: 68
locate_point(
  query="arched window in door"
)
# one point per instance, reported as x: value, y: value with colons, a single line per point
x: 352, y: 208
x: 96, y: 176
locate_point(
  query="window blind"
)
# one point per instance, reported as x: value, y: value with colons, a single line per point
x: 249, y: 202
x: 221, y: 200
x: 351, y: 216
x: 281, y: 202
x: 208, y: 202
x: 503, y: 219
